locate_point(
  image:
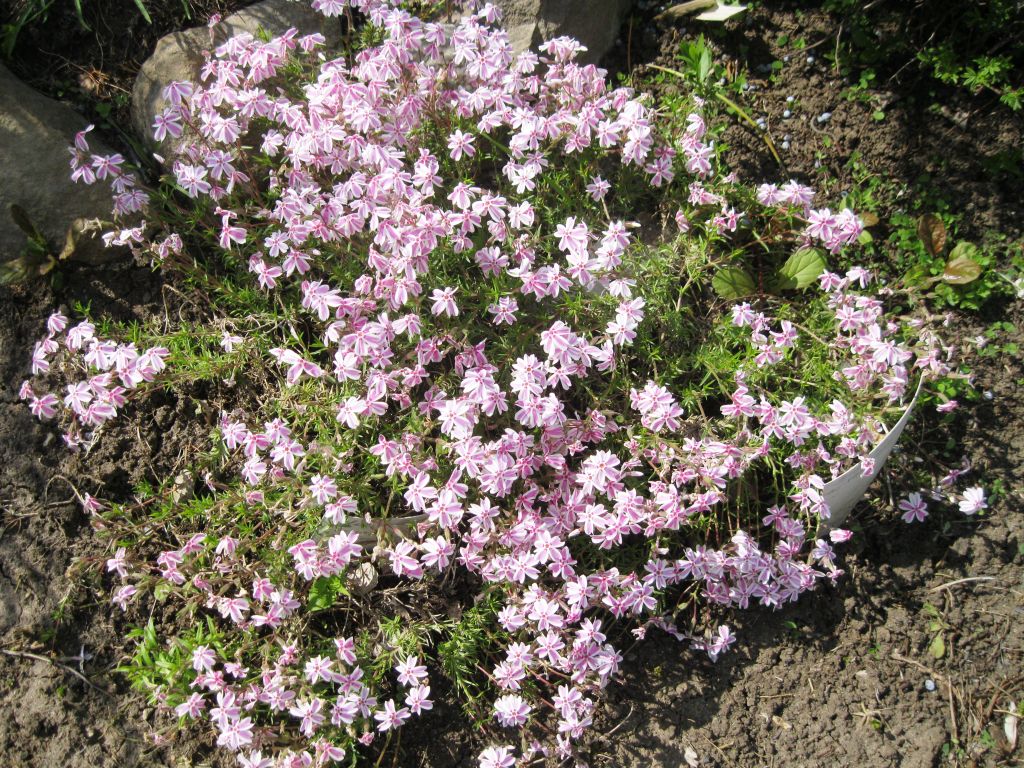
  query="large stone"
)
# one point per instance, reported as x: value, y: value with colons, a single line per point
x: 595, y: 23
x: 179, y: 55
x: 35, y: 133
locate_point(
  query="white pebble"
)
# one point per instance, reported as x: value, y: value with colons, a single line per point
x: 810, y: 59
x: 824, y: 117
x: 787, y: 114
x: 785, y: 145
x: 790, y: 99
x: 929, y: 684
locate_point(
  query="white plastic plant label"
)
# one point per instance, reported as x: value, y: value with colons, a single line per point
x: 843, y: 493
x: 721, y: 12
x: 710, y: 10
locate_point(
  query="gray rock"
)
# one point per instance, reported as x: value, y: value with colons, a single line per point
x: 179, y: 55
x: 595, y: 23
x: 35, y: 132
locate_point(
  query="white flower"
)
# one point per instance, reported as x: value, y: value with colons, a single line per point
x: 973, y: 501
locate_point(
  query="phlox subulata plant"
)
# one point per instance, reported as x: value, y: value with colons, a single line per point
x: 473, y: 377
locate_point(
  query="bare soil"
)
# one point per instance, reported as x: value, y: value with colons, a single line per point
x: 843, y: 678
x: 52, y: 607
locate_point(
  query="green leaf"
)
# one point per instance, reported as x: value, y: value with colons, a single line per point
x: 162, y: 591
x: 323, y: 593
x: 802, y: 269
x: 81, y: 16
x: 732, y: 283
x: 962, y: 268
x: 965, y: 248
x: 20, y: 217
x: 937, y: 648
x: 321, y: 596
x: 919, y: 275
x: 142, y: 9
x: 932, y: 232
x: 32, y: 262
x: 704, y: 65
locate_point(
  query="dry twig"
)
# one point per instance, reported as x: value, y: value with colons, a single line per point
x: 55, y: 662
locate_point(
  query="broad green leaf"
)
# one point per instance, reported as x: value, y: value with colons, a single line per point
x: 962, y: 268
x: 323, y: 593
x: 964, y: 249
x: 937, y: 648
x: 802, y: 269
x: 932, y: 232
x: 732, y: 283
x: 704, y: 67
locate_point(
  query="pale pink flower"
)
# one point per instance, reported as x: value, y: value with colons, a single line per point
x: 973, y: 501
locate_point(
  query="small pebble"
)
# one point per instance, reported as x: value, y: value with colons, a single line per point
x: 824, y: 117
x: 790, y: 99
x: 787, y: 114
x: 929, y: 684
x: 785, y: 145
x: 988, y: 395
x: 810, y: 59
x: 785, y: 59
